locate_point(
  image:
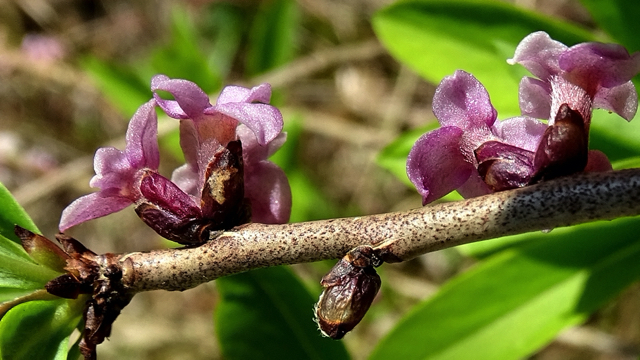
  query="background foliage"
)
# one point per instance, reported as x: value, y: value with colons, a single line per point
x: 349, y: 103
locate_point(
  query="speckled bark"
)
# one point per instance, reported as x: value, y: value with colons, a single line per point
x: 400, y: 235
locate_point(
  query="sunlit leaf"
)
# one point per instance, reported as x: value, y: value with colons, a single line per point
x: 267, y: 314
x: 437, y: 37
x: 520, y: 299
x: 39, y: 329
x: 619, y: 18
x: 12, y: 214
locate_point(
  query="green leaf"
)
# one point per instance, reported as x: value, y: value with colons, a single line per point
x: 39, y: 329
x: 520, y: 299
x: 120, y: 84
x: 619, y: 18
x: 13, y: 214
x: 614, y: 136
x: 266, y: 314
x: 272, y: 40
x: 19, y: 276
x: 435, y: 38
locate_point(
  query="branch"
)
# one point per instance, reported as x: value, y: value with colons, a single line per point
x: 397, y: 236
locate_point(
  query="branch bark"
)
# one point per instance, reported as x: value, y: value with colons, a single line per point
x: 398, y: 236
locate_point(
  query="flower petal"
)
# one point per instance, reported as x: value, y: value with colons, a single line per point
x: 112, y: 168
x: 190, y: 101
x: 235, y: 94
x: 538, y: 53
x: 462, y: 101
x: 504, y: 166
x: 597, y: 162
x: 142, y: 138
x: 523, y: 132
x: 535, y: 98
x: 267, y: 187
x: 90, y: 207
x: 252, y: 151
x: 474, y: 187
x: 264, y: 120
x: 435, y: 164
x: 163, y: 193
x: 592, y: 64
x: 622, y: 99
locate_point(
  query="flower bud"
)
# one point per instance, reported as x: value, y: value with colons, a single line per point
x: 350, y: 288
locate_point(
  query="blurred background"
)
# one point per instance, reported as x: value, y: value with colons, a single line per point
x: 72, y: 72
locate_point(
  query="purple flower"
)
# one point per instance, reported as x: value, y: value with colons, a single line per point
x: 226, y: 181
x: 239, y: 113
x: 475, y: 154
x: 445, y: 159
x: 584, y: 76
x: 119, y: 173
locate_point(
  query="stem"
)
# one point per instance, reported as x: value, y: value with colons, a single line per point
x: 399, y: 236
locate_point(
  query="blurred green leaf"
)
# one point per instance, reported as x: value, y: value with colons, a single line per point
x: 21, y: 276
x: 628, y: 163
x: 435, y: 38
x: 39, y: 329
x: 518, y: 300
x: 267, y: 314
x: 224, y: 28
x: 119, y: 84
x: 13, y: 214
x: 394, y: 156
x: 619, y: 18
x: 614, y: 136
x: 272, y: 40
x: 182, y: 57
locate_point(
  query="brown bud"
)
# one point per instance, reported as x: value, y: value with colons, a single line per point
x: 42, y: 250
x: 563, y: 149
x: 350, y: 288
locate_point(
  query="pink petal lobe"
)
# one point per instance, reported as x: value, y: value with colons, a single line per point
x: 435, y: 164
x: 235, y: 94
x: 622, y: 100
x: 142, y: 138
x: 538, y: 53
x: 267, y: 187
x: 523, y: 132
x: 534, y: 97
x: 90, y: 207
x: 264, y: 120
x: 190, y: 101
x: 597, y: 162
x: 462, y: 101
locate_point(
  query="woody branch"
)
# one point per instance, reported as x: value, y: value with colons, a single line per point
x: 397, y: 236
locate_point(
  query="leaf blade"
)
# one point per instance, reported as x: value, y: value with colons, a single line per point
x: 271, y: 310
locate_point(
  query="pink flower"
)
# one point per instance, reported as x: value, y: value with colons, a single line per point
x: 119, y: 174
x: 474, y: 154
x: 445, y: 159
x: 226, y: 181
x: 239, y: 113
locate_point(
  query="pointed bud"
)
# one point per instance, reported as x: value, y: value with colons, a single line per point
x: 42, y: 250
x: 350, y: 288
x: 563, y: 149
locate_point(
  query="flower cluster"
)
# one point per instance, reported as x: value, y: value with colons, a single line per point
x: 226, y: 181
x: 475, y: 154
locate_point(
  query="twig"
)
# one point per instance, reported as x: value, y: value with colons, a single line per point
x: 397, y: 236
